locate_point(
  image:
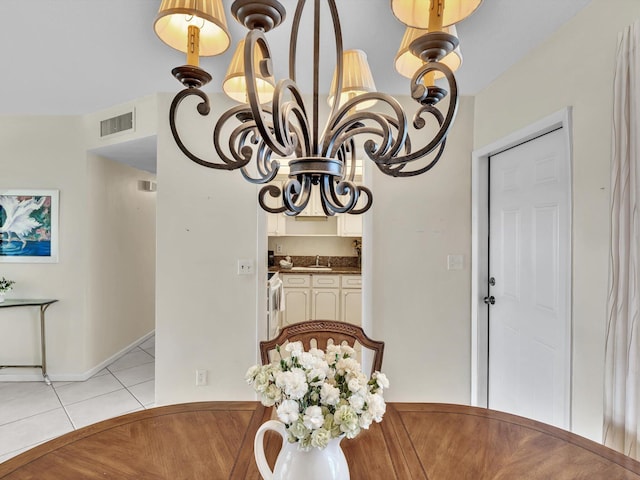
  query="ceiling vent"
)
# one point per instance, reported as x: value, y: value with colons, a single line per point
x: 118, y: 124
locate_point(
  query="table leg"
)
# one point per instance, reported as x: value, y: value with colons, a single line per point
x: 43, y: 344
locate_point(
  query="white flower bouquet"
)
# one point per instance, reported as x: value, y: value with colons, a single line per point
x: 320, y: 395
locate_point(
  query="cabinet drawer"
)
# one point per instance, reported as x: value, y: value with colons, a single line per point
x: 351, y: 281
x: 326, y: 281
x: 296, y: 280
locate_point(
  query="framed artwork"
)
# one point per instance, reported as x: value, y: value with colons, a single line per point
x: 28, y: 226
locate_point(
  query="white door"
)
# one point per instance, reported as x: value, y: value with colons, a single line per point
x: 529, y: 258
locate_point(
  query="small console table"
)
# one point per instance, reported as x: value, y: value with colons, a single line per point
x: 42, y: 305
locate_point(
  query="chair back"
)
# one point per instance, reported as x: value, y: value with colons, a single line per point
x: 322, y: 331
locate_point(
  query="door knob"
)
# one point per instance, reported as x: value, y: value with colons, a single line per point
x: 490, y: 300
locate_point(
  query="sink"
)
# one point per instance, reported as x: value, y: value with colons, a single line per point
x: 303, y: 269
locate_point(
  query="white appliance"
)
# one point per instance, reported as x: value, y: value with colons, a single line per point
x: 275, y: 305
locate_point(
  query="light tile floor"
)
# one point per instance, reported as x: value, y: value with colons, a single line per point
x: 34, y: 412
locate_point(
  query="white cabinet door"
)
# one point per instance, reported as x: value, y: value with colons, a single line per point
x: 297, y: 303
x: 297, y: 298
x: 349, y: 225
x: 325, y: 304
x: 276, y: 224
x: 351, y: 306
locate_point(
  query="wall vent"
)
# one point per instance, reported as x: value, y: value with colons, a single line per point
x: 117, y: 124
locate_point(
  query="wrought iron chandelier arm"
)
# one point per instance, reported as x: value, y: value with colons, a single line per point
x: 284, y: 110
x: 204, y: 110
x: 332, y: 204
x: 296, y: 195
x: 420, y: 94
x: 275, y: 192
x: 347, y: 123
x: 269, y: 124
x: 397, y: 169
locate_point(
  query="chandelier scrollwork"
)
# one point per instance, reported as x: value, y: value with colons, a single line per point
x: 266, y: 134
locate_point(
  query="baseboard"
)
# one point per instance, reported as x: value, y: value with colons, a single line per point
x: 36, y: 376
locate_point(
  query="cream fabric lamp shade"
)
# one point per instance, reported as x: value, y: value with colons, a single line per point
x: 235, y: 85
x: 175, y: 16
x: 407, y: 63
x: 415, y: 13
x: 356, y: 79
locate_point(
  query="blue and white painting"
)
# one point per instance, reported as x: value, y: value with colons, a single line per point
x: 28, y: 226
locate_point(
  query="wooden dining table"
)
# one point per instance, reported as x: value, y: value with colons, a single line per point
x: 214, y: 440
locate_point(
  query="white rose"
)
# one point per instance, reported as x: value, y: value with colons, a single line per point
x: 347, y: 350
x: 347, y: 365
x: 365, y: 420
x: 262, y: 380
x: 320, y: 438
x: 316, y: 376
x: 381, y: 380
x: 298, y: 430
x: 316, y: 352
x: 288, y: 411
x: 376, y: 406
x: 313, y: 417
x: 357, y: 383
x: 294, y: 348
x: 357, y: 402
x: 347, y: 418
x: 271, y: 396
x: 333, y: 351
x: 329, y: 395
x: 306, y: 360
x: 293, y: 383
x: 251, y: 374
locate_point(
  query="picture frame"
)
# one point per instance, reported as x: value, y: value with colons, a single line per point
x: 29, y: 226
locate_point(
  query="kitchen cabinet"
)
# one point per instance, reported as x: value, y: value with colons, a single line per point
x: 322, y: 297
x: 276, y: 224
x: 325, y: 297
x: 349, y: 225
x: 297, y: 298
x: 351, y: 299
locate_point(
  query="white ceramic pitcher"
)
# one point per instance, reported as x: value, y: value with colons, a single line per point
x: 295, y: 464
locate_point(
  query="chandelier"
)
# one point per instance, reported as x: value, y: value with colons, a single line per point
x: 273, y: 125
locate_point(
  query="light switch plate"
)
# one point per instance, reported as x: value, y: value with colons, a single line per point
x: 245, y: 267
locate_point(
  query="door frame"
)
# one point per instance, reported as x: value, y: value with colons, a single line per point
x: 480, y: 248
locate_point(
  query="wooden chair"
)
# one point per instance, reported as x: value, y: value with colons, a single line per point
x: 322, y: 331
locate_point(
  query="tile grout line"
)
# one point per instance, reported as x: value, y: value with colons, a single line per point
x: 107, y: 370
x: 127, y: 389
x: 64, y: 408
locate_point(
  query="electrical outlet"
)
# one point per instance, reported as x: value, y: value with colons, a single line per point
x: 201, y: 378
x: 278, y: 248
x: 455, y: 262
x: 245, y: 267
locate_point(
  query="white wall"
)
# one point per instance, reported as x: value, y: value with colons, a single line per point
x: 101, y: 308
x: 122, y: 258
x: 47, y: 153
x: 206, y: 313
x: 418, y: 307
x: 574, y: 67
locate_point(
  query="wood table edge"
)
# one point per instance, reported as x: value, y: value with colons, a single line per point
x: 69, y: 438
x: 596, y: 448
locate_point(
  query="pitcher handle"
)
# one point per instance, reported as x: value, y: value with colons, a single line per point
x: 258, y: 446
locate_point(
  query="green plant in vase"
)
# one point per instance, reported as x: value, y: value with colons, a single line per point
x: 5, y: 286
